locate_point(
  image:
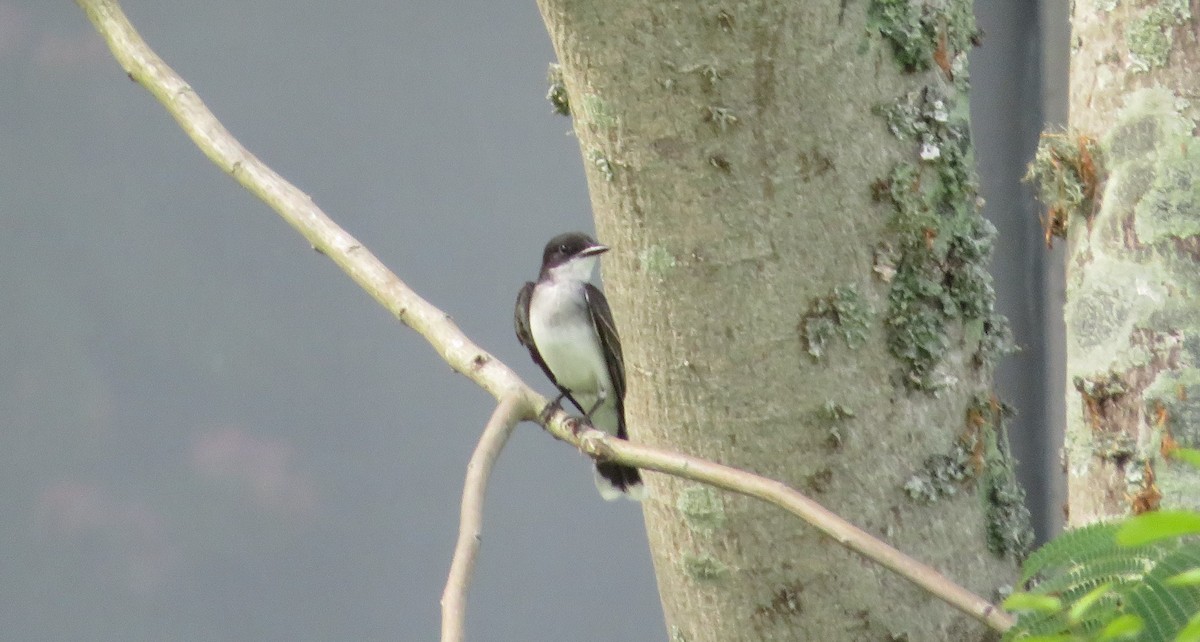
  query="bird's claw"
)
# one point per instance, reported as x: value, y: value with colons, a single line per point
x: 578, y: 424
x: 575, y: 424
x: 551, y: 408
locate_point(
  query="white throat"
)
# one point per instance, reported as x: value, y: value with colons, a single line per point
x: 576, y: 270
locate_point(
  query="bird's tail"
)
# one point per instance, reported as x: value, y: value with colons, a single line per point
x: 616, y: 480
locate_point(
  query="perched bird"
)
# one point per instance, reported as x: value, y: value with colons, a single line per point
x: 565, y: 323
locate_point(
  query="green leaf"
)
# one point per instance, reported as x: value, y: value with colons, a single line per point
x: 1191, y: 632
x: 1032, y: 602
x: 1187, y: 456
x: 1125, y: 626
x: 1057, y: 637
x: 1083, y: 604
x: 1186, y: 578
x: 1061, y: 551
x: 1158, y: 525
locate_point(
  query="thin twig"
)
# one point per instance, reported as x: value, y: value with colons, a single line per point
x: 599, y: 445
x: 295, y: 207
x: 470, y: 524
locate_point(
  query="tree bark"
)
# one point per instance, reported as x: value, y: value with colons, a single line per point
x: 799, y: 279
x: 1133, y: 271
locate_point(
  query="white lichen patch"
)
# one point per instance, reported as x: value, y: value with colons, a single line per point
x: 702, y: 509
x: 657, y: 260
x: 1118, y: 296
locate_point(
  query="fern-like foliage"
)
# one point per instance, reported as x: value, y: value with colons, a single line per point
x: 1086, y: 586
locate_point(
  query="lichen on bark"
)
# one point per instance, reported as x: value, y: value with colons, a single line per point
x: 1131, y: 314
x: 940, y: 287
x: 926, y: 32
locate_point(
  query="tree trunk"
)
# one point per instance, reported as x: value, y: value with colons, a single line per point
x: 799, y: 279
x: 1133, y: 272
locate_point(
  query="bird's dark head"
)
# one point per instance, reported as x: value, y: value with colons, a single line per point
x: 564, y: 248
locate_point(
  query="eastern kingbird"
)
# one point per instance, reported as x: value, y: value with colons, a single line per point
x: 568, y: 328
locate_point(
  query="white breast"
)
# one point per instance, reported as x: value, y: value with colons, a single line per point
x: 567, y: 341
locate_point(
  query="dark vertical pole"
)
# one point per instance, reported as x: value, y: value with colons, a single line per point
x: 1019, y: 80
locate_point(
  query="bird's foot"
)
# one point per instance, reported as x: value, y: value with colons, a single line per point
x: 587, y: 416
x: 551, y: 408
x: 578, y: 425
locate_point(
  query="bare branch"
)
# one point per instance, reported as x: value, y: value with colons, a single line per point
x: 147, y: 69
x: 470, y: 524
x: 599, y: 445
x: 296, y: 207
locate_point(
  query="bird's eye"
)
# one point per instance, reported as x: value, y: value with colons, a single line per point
x: 562, y: 248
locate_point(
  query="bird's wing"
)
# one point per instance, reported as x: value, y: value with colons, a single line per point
x: 525, y: 336
x: 610, y: 343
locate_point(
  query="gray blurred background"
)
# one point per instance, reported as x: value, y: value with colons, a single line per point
x: 207, y: 432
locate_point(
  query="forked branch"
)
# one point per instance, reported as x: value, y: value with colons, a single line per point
x: 147, y: 69
x: 470, y: 522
